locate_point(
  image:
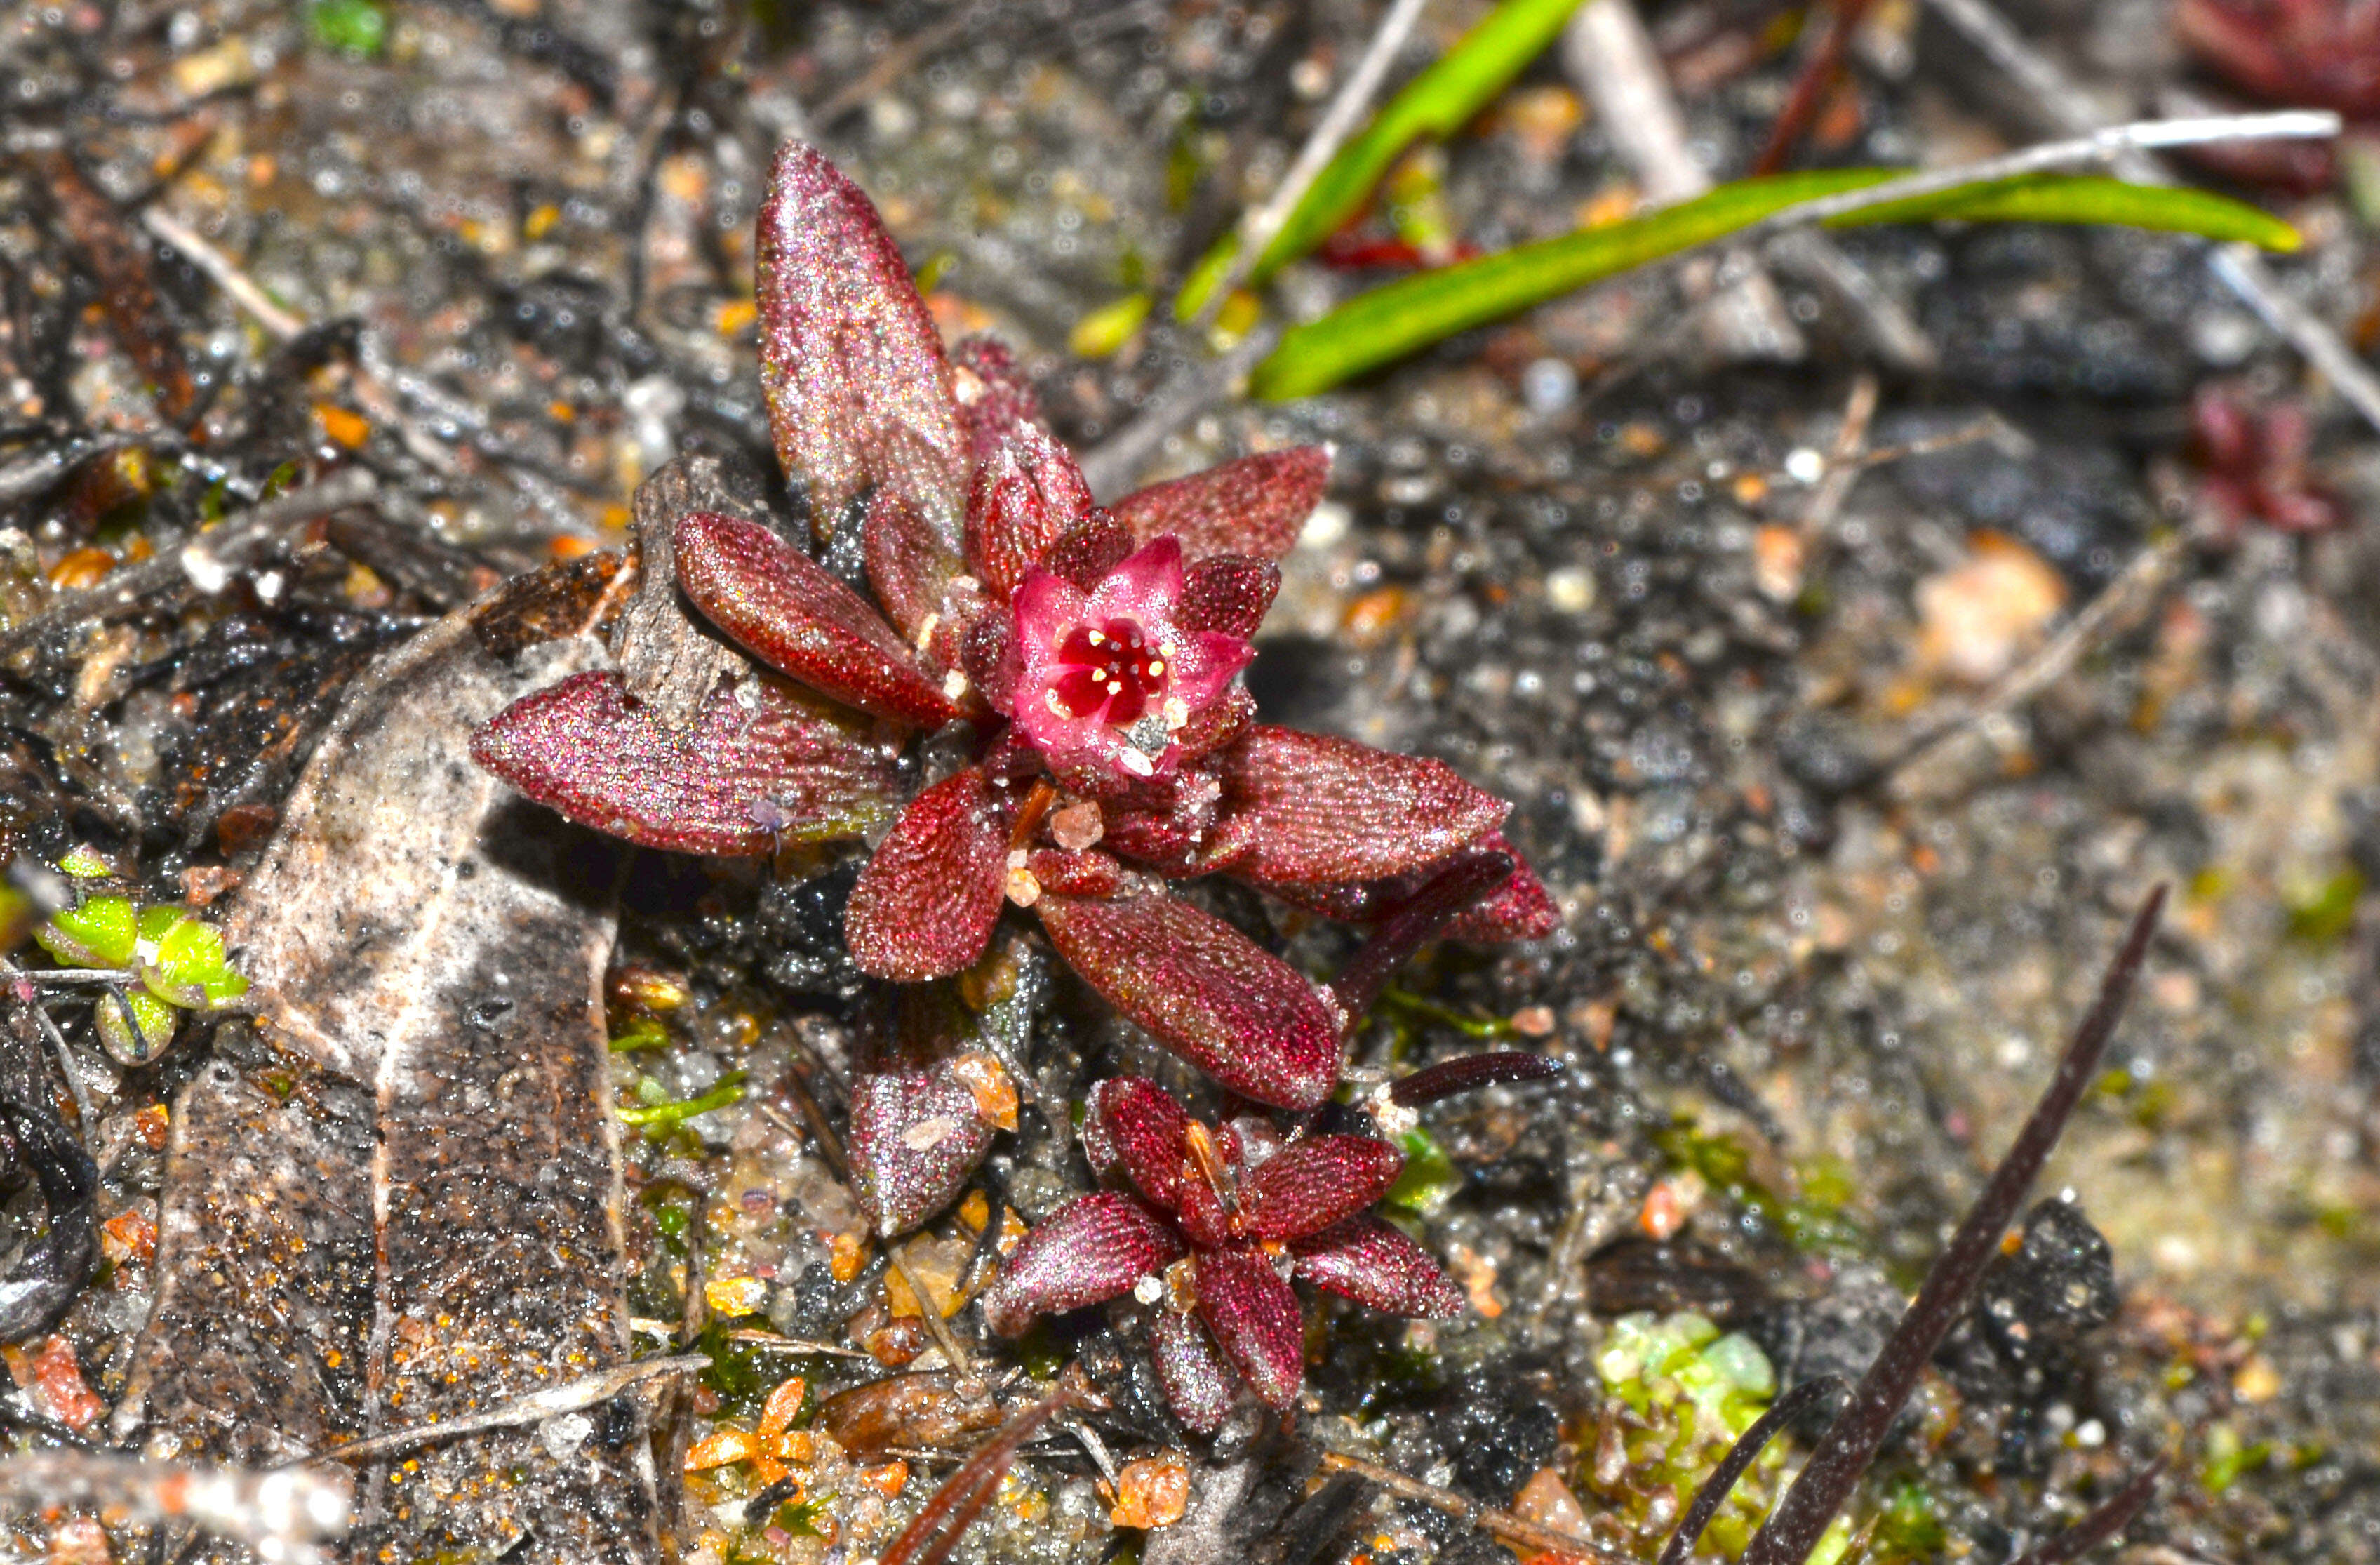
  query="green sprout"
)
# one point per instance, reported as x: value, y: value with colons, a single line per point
x: 172, y: 961
x: 657, y: 1113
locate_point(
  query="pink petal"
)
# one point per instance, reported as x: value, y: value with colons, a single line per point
x: 1367, y: 1261
x: 1204, y: 990
x: 1145, y: 586
x: 1135, y: 1127
x: 1228, y: 593
x: 1026, y: 495
x: 1306, y: 809
x: 1255, y: 505
x: 1255, y: 1318
x: 926, y: 903
x: 858, y: 390
x: 1311, y: 1183
x: 915, y: 1131
x: 776, y: 602
x: 1092, y: 1248
x: 1197, y: 1384
x: 743, y: 780
x: 993, y: 395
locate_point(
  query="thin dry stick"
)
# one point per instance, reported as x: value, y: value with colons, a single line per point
x: 891, y: 65
x: 2108, y: 1517
x: 1116, y: 460
x: 2119, y: 604
x: 2238, y: 266
x: 572, y: 1396
x: 207, y: 560
x: 86, y: 1117
x: 1842, y: 464
x: 1606, y: 52
x: 1501, y: 1525
x: 276, y: 1515
x: 1259, y: 226
x: 931, y: 1314
x: 224, y: 272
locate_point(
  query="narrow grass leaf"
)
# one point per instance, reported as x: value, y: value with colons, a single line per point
x: 1436, y: 103
x: 2088, y: 197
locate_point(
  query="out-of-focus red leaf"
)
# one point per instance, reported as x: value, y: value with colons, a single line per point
x: 1197, y: 1384
x: 779, y: 605
x: 1367, y: 1261
x: 1092, y: 548
x: 858, y: 390
x: 1255, y: 505
x: 1092, y: 1248
x: 1204, y: 990
x: 763, y: 765
x: 1310, y: 1185
x: 1452, y: 885
x: 1135, y: 1127
x: 1028, y: 493
x: 1304, y: 809
x: 1255, y: 1319
x: 1227, y: 592
x: 916, y: 1131
x: 925, y: 905
x: 993, y: 395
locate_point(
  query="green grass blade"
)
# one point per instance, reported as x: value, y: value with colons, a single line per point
x: 1412, y: 313
x: 2067, y: 198
x: 1436, y: 103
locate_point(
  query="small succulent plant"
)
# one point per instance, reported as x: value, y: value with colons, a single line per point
x: 1074, y: 670
x: 172, y: 961
x: 1212, y: 1226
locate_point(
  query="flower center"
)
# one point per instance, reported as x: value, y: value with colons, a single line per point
x: 1110, y: 671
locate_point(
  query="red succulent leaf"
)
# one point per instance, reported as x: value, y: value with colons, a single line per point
x: 1365, y: 1260
x: 916, y: 1131
x: 1202, y: 1217
x: 1028, y: 493
x: 1197, y: 1384
x: 1309, y: 1184
x: 1135, y: 1127
x: 763, y: 765
x: 1092, y: 1248
x: 858, y: 390
x: 1455, y: 884
x: 1091, y: 549
x: 993, y: 395
x: 1217, y: 727
x: 1205, y: 991
x: 925, y: 905
x: 1468, y: 1073
x: 1227, y: 592
x: 779, y: 605
x: 1075, y: 874
x: 1255, y: 1318
x: 1302, y: 809
x: 1521, y: 909
x: 1255, y: 505
x: 923, y: 584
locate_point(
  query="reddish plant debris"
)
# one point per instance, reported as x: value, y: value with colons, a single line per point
x: 1211, y: 1226
x: 1093, y: 657
x: 2311, y: 54
x: 2254, y: 461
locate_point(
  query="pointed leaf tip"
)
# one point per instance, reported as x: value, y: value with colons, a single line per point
x: 1256, y: 1321
x: 1310, y: 1185
x: 1204, y: 990
x: 783, y: 608
x: 925, y: 905
x: 760, y: 766
x: 858, y: 390
x: 1309, y: 809
x: 1256, y: 505
x: 1092, y: 1248
x: 1365, y: 1259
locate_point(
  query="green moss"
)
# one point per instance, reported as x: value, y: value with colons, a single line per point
x: 2326, y: 914
x: 657, y: 1114
x: 358, y: 27
x: 1910, y: 1526
x: 1689, y: 1392
x: 1429, y: 1178
x: 739, y: 1375
x: 1813, y: 1222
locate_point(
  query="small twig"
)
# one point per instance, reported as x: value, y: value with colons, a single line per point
x: 207, y: 561
x: 277, y: 1515
x: 931, y: 1313
x: 2238, y: 266
x: 72, y: 978
x: 86, y: 1117
x: 538, y: 1406
x: 1115, y: 461
x: 224, y: 272
x: 1089, y: 1438
x: 1842, y: 469
x: 891, y: 65
x: 1259, y: 227
x: 803, y: 1345
x: 1819, y: 74
x: 2118, y: 605
x: 1606, y: 51
x: 1501, y: 1525
x: 2106, y: 1520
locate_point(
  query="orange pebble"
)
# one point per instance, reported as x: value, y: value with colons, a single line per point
x: 82, y: 569
x: 784, y: 1405
x: 723, y: 1449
